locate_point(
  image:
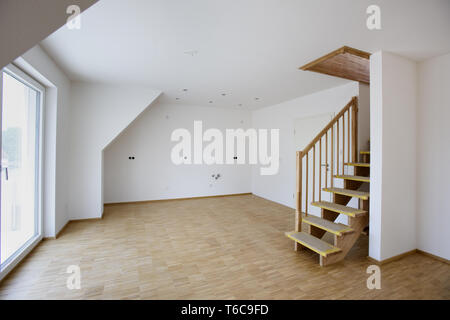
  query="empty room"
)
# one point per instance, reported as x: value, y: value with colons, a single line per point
x: 225, y: 150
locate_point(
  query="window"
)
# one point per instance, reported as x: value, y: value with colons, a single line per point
x: 20, y: 189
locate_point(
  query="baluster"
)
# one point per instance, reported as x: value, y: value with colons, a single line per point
x: 348, y: 136
x: 332, y: 156
x: 326, y: 159
x: 306, y: 189
x: 343, y: 142
x: 354, y: 132
x: 320, y: 169
x: 337, y: 146
x: 314, y: 173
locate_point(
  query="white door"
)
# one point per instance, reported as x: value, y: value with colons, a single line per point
x: 305, y: 130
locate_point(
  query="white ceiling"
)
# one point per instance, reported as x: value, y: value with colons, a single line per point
x: 245, y: 49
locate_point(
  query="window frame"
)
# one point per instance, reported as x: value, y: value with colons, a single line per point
x: 26, y: 79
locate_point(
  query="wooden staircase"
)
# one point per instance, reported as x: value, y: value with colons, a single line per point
x: 354, y: 182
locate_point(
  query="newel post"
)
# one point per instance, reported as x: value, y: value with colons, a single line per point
x: 298, y: 198
x: 355, y: 129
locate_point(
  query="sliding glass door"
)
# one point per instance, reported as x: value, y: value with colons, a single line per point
x: 21, y: 99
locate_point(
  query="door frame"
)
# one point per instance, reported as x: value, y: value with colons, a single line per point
x: 23, y: 77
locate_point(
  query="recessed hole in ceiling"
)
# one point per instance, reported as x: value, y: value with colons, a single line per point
x: 191, y: 52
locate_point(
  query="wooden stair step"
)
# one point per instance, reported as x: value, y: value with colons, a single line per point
x: 358, y: 164
x: 347, y: 192
x: 339, y: 208
x: 327, y: 225
x: 365, y: 152
x: 355, y: 178
x: 319, y: 246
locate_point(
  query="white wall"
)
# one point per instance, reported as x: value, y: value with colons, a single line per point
x: 433, y: 157
x: 376, y: 160
x: 56, y: 123
x: 80, y: 120
x: 281, y: 187
x: 99, y: 114
x: 393, y: 112
x: 152, y: 175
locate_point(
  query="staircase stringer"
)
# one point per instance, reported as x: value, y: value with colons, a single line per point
x: 347, y: 241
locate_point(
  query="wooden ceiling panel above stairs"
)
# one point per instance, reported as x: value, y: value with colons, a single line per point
x: 345, y: 62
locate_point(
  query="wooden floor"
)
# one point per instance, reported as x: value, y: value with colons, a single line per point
x: 216, y: 248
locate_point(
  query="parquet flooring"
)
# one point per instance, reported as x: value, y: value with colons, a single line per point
x: 213, y: 248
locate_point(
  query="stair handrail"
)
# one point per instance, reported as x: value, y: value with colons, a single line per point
x: 352, y: 102
x: 351, y: 109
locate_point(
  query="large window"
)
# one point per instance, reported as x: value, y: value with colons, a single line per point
x: 21, y: 225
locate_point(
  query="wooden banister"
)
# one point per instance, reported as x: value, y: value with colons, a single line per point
x: 351, y: 108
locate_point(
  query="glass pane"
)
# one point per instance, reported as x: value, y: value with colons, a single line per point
x: 18, y: 175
